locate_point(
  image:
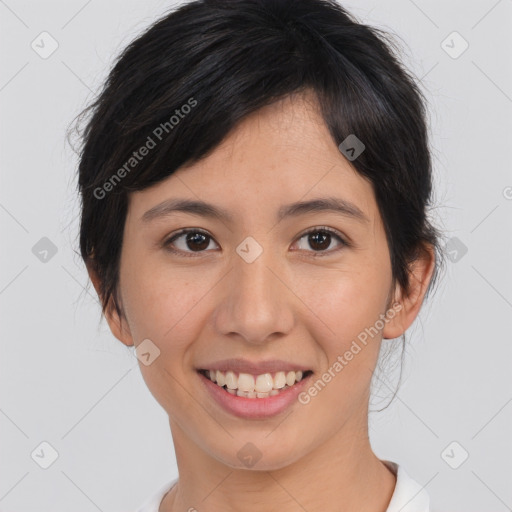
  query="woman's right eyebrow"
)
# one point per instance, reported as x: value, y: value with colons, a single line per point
x: 203, y: 209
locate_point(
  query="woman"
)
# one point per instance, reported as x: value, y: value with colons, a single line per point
x: 255, y: 178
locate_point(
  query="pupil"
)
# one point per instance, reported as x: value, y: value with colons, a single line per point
x: 196, y: 237
x: 323, y: 236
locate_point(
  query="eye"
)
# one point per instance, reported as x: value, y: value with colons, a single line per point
x: 193, y: 239
x: 189, y: 241
x: 320, y: 239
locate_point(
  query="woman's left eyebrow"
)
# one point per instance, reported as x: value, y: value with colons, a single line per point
x: 203, y: 209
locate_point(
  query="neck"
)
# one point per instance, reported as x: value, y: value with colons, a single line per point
x: 342, y: 474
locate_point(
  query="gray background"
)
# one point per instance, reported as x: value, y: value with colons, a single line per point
x: 67, y: 381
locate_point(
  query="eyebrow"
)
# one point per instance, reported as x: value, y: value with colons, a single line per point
x: 194, y: 207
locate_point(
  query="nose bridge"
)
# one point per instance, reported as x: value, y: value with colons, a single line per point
x: 257, y: 304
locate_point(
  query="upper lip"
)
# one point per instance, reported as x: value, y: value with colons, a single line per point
x: 240, y: 365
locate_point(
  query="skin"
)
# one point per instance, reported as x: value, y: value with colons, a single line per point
x: 290, y: 303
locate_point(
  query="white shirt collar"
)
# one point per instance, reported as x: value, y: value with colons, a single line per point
x: 409, y: 495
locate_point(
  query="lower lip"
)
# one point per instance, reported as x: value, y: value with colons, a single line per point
x: 254, y: 408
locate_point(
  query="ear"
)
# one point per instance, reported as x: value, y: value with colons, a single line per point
x: 118, y: 327
x: 420, y: 274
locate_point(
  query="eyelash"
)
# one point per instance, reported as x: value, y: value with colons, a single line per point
x: 320, y: 229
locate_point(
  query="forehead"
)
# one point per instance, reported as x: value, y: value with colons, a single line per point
x: 281, y: 153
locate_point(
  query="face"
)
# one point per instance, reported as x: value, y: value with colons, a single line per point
x: 257, y: 286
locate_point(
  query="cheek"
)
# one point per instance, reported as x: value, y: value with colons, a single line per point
x: 160, y: 304
x: 163, y: 306
x: 346, y: 305
x: 351, y: 345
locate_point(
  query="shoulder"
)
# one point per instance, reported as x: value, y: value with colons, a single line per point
x: 409, y: 495
x: 152, y: 503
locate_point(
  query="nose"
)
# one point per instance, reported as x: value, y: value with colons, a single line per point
x: 257, y: 301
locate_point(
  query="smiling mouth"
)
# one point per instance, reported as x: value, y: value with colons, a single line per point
x: 247, y: 385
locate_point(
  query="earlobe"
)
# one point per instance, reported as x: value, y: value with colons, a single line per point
x: 394, y: 314
x: 420, y: 274
x: 118, y: 328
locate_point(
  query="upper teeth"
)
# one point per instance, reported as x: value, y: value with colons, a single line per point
x: 259, y: 383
